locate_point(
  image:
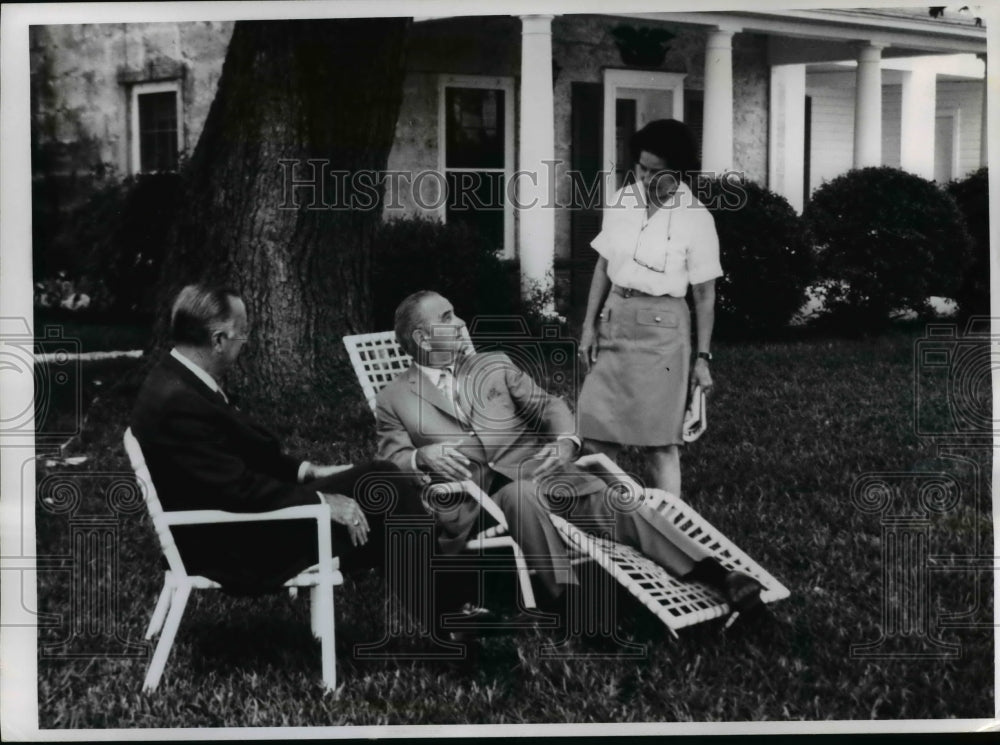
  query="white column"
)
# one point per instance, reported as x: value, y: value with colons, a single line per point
x: 983, y: 130
x: 536, y: 212
x: 717, y: 132
x: 868, y: 108
x: 917, y: 117
x: 786, y: 168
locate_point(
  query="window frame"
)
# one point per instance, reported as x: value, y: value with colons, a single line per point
x: 671, y: 83
x: 141, y: 89
x: 483, y: 82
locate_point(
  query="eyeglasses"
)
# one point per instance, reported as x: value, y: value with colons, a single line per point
x: 654, y: 259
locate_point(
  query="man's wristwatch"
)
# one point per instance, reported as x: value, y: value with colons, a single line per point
x: 707, y: 356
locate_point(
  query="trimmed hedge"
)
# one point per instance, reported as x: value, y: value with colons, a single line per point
x: 413, y: 254
x: 766, y: 256
x: 972, y: 196
x: 887, y: 241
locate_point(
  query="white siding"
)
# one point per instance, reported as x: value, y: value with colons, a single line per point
x: 892, y: 110
x: 832, y: 137
x: 966, y: 97
x: 832, y: 145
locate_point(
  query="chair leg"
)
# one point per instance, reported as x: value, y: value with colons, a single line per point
x: 160, y: 611
x: 524, y: 579
x: 163, y: 647
x: 314, y: 604
x: 322, y: 610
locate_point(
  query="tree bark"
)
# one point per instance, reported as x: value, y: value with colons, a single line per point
x: 326, y: 90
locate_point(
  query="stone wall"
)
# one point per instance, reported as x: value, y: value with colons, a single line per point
x: 80, y: 86
x: 81, y: 77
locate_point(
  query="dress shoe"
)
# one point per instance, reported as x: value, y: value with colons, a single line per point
x: 743, y: 595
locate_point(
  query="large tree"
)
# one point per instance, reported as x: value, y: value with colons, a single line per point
x: 291, y: 92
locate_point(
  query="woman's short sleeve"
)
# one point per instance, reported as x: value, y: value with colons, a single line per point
x: 703, y: 254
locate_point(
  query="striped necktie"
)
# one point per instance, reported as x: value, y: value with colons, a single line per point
x: 447, y: 384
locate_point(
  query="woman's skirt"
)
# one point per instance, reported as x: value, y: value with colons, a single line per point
x: 636, y: 392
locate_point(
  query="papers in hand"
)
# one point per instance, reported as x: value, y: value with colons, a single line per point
x: 696, y: 417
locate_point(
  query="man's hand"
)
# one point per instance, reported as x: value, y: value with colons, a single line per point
x: 314, y: 471
x: 346, y: 511
x: 554, y: 457
x: 443, y: 458
x: 701, y: 376
x: 588, y: 347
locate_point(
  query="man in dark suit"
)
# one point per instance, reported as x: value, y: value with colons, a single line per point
x: 203, y: 453
x: 456, y: 414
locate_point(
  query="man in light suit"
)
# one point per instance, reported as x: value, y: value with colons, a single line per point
x: 203, y: 453
x: 456, y: 415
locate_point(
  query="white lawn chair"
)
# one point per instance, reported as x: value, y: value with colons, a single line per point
x: 377, y: 359
x: 178, y: 584
x: 677, y: 603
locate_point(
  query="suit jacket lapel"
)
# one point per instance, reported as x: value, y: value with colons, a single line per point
x: 423, y: 388
x: 198, y: 387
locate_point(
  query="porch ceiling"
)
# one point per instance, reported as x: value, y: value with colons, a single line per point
x: 804, y: 36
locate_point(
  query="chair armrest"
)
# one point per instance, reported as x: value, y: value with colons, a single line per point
x: 195, y: 517
x: 601, y: 463
x: 472, y: 489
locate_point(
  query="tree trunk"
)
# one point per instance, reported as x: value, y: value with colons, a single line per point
x: 291, y: 91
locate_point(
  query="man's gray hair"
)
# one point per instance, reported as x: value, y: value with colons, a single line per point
x: 198, y: 310
x: 408, y: 318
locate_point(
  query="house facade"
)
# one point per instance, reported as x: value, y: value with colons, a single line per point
x: 520, y: 125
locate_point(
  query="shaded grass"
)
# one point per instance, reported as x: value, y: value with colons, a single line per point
x: 793, y: 426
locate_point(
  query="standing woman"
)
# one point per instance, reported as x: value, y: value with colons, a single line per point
x: 656, y: 239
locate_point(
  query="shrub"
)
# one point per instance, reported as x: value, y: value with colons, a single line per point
x: 972, y: 196
x: 887, y: 240
x: 413, y: 254
x: 766, y: 255
x: 119, y: 233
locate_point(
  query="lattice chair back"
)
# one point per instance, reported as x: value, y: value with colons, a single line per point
x: 163, y: 532
x: 377, y: 359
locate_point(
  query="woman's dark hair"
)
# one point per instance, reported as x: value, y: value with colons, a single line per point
x: 669, y: 139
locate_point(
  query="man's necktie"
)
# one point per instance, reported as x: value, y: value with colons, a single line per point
x: 446, y: 384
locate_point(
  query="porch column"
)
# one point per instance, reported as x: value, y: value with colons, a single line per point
x: 787, y: 123
x: 536, y: 214
x: 917, y: 117
x: 717, y: 132
x: 983, y: 129
x: 868, y: 107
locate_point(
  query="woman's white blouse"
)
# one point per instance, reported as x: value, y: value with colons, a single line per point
x: 680, y: 240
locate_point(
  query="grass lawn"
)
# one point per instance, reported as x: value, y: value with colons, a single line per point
x: 794, y: 428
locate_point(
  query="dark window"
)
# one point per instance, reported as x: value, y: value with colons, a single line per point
x: 157, y: 131
x: 807, y: 154
x: 694, y: 116
x: 625, y: 109
x: 474, y: 132
x: 475, y: 160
